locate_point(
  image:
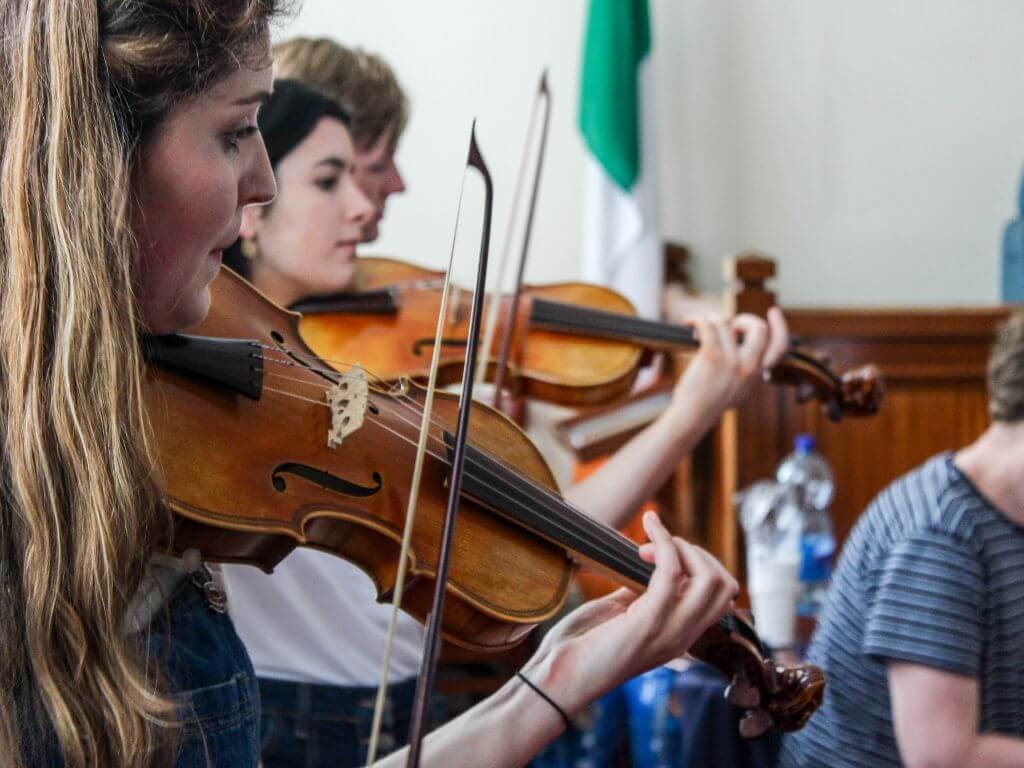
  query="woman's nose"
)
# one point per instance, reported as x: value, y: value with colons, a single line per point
x: 258, y: 186
x: 359, y: 207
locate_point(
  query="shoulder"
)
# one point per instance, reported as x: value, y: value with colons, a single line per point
x: 932, y: 498
x: 929, y: 506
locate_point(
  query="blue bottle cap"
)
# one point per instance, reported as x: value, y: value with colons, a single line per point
x: 805, y: 443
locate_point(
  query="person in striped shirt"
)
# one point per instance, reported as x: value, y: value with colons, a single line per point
x: 923, y: 636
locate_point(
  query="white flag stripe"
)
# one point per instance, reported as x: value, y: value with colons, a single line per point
x: 621, y: 242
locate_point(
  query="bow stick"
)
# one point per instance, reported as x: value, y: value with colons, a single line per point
x: 543, y: 93
x: 425, y: 683
x: 475, y: 160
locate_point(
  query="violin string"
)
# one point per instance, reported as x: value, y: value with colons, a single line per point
x: 317, y: 385
x: 618, y: 551
x: 550, y: 500
x: 584, y: 319
x: 586, y: 528
x: 627, y: 555
x: 410, y: 404
x: 329, y: 371
x: 541, y: 494
x: 547, y: 497
x: 406, y: 402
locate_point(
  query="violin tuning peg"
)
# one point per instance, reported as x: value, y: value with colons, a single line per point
x: 740, y: 693
x: 804, y: 392
x: 755, y: 723
x: 834, y: 411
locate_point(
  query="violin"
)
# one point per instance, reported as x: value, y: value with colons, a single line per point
x: 262, y: 447
x: 573, y: 343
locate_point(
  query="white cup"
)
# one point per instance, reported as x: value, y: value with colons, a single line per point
x: 774, y: 587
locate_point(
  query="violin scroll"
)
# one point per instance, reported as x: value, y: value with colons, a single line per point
x: 796, y: 693
x: 863, y: 390
x: 858, y: 392
x: 776, y: 698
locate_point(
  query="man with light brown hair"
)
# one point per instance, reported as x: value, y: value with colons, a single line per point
x: 367, y: 89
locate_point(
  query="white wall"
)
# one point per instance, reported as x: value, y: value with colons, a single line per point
x: 873, y: 146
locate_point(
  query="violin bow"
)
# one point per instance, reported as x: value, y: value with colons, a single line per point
x: 425, y: 684
x: 428, y: 668
x: 421, y: 449
x: 543, y: 94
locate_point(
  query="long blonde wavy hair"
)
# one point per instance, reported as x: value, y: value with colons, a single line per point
x: 85, y: 83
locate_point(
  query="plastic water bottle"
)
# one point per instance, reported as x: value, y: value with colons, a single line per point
x: 773, y: 523
x: 807, y: 471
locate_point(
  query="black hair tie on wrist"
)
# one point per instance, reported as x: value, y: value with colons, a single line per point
x: 548, y: 699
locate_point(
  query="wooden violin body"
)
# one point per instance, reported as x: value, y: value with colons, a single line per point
x: 547, y: 366
x: 261, y: 448
x: 251, y: 480
x: 573, y: 343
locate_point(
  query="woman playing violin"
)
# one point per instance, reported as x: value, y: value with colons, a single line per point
x: 130, y: 151
x: 304, y: 244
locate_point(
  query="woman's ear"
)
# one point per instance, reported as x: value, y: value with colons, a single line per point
x: 252, y: 221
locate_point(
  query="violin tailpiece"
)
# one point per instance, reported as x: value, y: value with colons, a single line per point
x: 348, y: 399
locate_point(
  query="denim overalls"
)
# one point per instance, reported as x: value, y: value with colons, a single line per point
x: 209, y: 674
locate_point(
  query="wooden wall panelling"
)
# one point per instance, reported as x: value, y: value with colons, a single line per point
x: 933, y: 361
x: 934, y: 364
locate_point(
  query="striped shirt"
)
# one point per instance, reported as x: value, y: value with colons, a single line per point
x: 933, y: 575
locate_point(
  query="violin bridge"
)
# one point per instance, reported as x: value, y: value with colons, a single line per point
x: 348, y: 399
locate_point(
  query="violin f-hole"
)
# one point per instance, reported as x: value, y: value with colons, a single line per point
x: 419, y: 344
x: 325, y: 480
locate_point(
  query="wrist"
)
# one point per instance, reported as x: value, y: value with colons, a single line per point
x: 572, y: 677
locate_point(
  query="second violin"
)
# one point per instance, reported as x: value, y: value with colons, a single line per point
x: 572, y: 343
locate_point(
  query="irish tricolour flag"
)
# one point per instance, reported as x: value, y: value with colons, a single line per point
x: 621, y: 245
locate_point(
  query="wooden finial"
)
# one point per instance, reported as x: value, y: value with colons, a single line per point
x: 747, y: 274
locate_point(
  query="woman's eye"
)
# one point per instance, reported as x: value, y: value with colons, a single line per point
x: 233, y: 138
x: 327, y: 184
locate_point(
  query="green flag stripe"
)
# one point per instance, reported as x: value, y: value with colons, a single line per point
x: 618, y: 38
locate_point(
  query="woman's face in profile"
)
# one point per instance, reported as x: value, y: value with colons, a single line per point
x: 196, y: 173
x: 306, y: 241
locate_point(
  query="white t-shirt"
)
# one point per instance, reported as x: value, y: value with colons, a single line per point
x: 315, y: 619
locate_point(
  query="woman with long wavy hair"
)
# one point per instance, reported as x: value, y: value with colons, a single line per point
x: 130, y: 148
x: 102, y: 102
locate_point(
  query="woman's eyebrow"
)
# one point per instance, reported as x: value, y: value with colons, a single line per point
x: 334, y: 162
x: 259, y: 97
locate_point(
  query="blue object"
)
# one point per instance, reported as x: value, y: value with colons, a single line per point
x: 674, y: 719
x: 1013, y: 254
x: 639, y: 724
x: 805, y: 443
x: 816, y: 556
